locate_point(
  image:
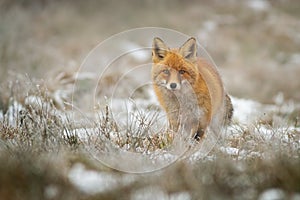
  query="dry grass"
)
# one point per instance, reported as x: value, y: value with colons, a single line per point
x: 40, y: 147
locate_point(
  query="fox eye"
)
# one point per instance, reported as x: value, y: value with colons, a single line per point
x: 160, y: 56
x: 182, y: 71
x: 166, y: 71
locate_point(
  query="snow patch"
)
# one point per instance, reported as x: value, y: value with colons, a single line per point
x: 272, y: 194
x: 258, y: 5
x: 230, y: 150
x: 137, y: 52
x: 92, y: 182
x: 150, y: 193
x: 295, y: 59
x: 51, y: 191
x: 245, y: 110
x: 1, y: 115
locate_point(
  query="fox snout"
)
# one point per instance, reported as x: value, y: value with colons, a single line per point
x: 173, y: 86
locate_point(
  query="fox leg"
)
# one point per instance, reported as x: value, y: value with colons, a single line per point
x: 228, y: 109
x: 198, y: 135
x: 173, y: 121
x: 200, y: 129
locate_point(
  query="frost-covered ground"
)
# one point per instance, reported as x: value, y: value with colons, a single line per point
x: 112, y: 155
x: 249, y: 124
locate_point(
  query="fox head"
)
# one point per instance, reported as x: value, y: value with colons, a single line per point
x: 172, y: 68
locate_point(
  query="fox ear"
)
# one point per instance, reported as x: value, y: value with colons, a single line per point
x: 159, y: 49
x: 189, y: 49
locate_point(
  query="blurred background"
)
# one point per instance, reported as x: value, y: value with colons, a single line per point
x: 254, y: 43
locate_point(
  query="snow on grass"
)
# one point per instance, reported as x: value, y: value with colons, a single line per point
x: 255, y: 124
x: 83, y: 134
x: 230, y: 150
x: 92, y: 182
x: 245, y: 127
x: 246, y: 111
x: 89, y: 181
x: 124, y: 111
x: 128, y: 115
x: 13, y: 113
x: 124, y: 150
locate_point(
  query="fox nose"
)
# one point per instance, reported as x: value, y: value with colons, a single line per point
x: 173, y: 85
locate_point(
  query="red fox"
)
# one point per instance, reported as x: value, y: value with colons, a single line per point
x: 188, y: 88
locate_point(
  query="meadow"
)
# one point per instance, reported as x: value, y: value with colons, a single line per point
x: 79, y: 120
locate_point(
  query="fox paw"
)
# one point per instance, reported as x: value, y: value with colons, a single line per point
x: 198, y: 135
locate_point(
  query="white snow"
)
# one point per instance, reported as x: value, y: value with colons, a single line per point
x: 230, y: 150
x: 248, y: 112
x: 150, y: 193
x: 279, y: 98
x: 245, y: 110
x: 180, y: 196
x: 272, y: 194
x: 137, y: 52
x: 295, y: 59
x: 1, y: 115
x: 90, y: 181
x: 36, y: 102
x: 82, y: 133
x: 51, y: 192
x: 13, y: 113
x: 281, y: 134
x: 210, y: 25
x: 258, y: 5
